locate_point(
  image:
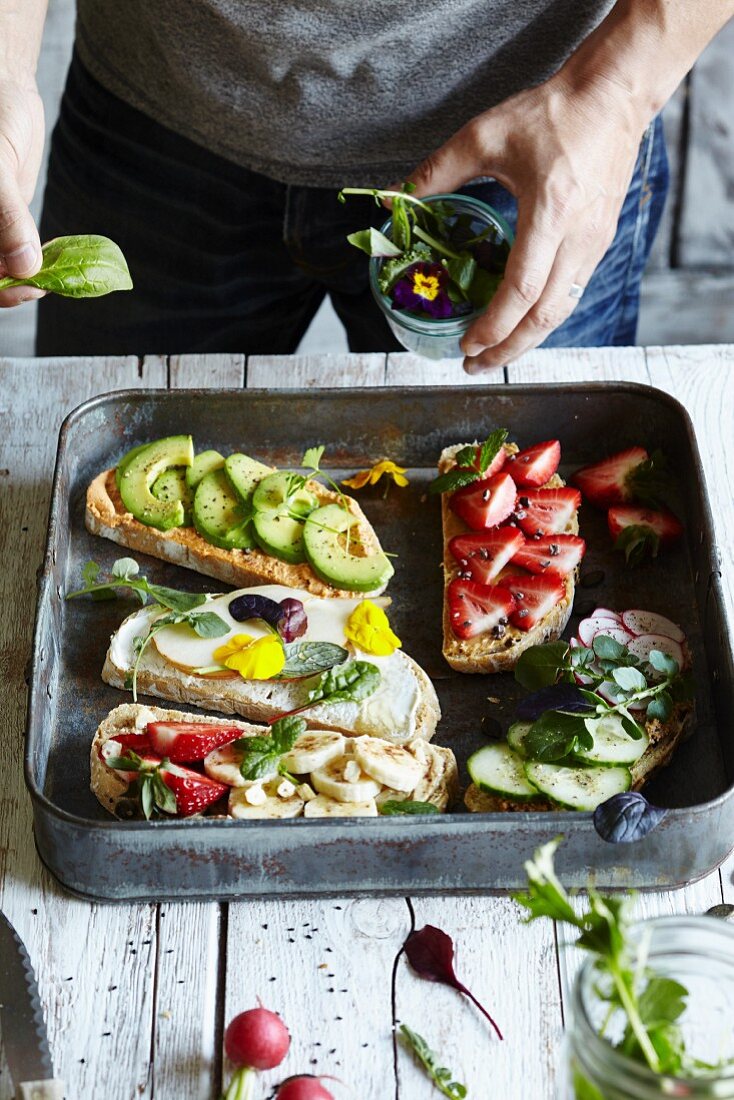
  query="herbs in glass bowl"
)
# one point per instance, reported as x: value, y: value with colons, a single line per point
x: 435, y: 265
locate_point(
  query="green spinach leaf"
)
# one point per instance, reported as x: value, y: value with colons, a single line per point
x: 85, y: 266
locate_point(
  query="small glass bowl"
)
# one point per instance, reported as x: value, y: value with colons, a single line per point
x: 437, y: 338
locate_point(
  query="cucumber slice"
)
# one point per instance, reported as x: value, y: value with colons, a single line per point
x: 126, y: 460
x: 516, y: 735
x: 279, y: 535
x: 274, y: 494
x: 611, y: 744
x: 577, y: 788
x: 499, y: 770
x: 171, y: 485
x: 245, y: 474
x: 330, y: 559
x: 218, y: 514
x: 202, y: 465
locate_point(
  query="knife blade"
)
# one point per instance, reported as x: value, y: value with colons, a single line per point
x: 22, y: 1026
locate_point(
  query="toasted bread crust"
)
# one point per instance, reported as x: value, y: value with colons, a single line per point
x: 664, y: 740
x: 483, y: 653
x: 107, y: 516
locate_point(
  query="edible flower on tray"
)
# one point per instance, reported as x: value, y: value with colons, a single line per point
x: 254, y: 659
x: 368, y: 628
x: 385, y: 467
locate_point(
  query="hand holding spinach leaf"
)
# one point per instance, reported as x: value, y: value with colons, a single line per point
x: 85, y: 266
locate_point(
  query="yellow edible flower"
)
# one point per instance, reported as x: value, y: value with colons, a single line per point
x: 373, y: 475
x: 368, y: 628
x: 254, y: 659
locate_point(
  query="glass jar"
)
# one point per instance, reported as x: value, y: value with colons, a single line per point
x: 699, y: 953
x: 438, y: 338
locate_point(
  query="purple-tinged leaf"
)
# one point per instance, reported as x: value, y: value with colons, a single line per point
x: 293, y: 622
x: 626, y: 817
x: 430, y: 952
x: 252, y: 606
x: 566, y: 697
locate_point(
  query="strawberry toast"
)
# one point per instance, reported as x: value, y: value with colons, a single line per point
x: 511, y: 550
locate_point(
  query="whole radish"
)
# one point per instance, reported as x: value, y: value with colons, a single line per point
x: 256, y: 1039
x: 303, y: 1088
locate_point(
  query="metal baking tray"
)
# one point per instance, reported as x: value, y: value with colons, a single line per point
x: 96, y: 856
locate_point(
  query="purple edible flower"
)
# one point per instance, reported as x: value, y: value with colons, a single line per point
x: 422, y: 289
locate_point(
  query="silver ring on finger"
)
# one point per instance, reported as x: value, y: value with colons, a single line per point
x: 576, y: 291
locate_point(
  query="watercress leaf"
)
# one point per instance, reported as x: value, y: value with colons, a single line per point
x: 553, y: 736
x: 348, y: 683
x: 124, y: 568
x: 312, y: 457
x: 303, y: 659
x: 208, y: 624
x: 373, y: 242
x: 626, y: 817
x: 397, y: 808
x: 491, y: 448
x: 607, y: 648
x: 462, y: 271
x: 566, y: 697
x: 581, y: 656
x: 456, y: 478
x: 175, y: 600
x: 629, y: 679
x: 90, y: 572
x: 84, y: 266
x: 540, y: 665
x: 662, y: 662
x: 660, y: 707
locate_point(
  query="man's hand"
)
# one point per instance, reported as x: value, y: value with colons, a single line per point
x: 568, y: 157
x: 21, y: 147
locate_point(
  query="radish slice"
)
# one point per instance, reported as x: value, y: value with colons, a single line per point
x: 587, y: 630
x: 647, y: 622
x: 605, y: 690
x: 642, y: 645
x: 605, y: 613
x: 617, y: 632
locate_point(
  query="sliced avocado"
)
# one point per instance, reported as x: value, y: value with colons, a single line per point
x: 245, y: 474
x: 332, y: 562
x: 126, y: 459
x: 276, y: 493
x: 172, y: 485
x: 203, y: 464
x: 143, y: 470
x: 219, y: 514
x: 280, y: 535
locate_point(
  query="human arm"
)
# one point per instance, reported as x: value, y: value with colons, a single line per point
x: 567, y: 149
x: 21, y: 142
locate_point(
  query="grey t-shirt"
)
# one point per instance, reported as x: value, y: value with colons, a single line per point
x: 325, y: 92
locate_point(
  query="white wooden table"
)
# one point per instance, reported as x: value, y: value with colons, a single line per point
x: 136, y: 996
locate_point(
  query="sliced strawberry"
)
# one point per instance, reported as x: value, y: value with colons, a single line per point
x: 485, y: 503
x: 495, y: 465
x: 546, y: 511
x: 484, y: 554
x: 193, y: 791
x: 555, y: 553
x: 184, y: 742
x: 611, y: 481
x: 641, y: 531
x: 533, y: 597
x: 536, y: 465
x: 138, y: 742
x: 478, y: 608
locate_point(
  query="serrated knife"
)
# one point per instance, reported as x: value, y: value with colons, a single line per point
x: 22, y: 1026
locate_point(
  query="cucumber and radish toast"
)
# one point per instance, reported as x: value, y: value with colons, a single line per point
x: 267, y: 651
x: 155, y: 763
x: 237, y: 519
x: 606, y: 711
x: 511, y: 550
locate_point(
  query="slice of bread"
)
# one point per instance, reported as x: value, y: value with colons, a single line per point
x: 664, y: 740
x: 264, y: 700
x: 107, y: 516
x: 485, y: 653
x: 438, y: 785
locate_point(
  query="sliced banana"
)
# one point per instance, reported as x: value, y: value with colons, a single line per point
x: 312, y: 750
x: 440, y: 779
x: 272, y: 807
x: 331, y: 780
x: 323, y: 806
x: 388, y: 764
x: 224, y: 765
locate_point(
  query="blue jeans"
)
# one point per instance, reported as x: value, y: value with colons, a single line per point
x: 223, y: 259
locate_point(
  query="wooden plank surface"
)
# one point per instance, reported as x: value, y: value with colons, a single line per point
x: 314, y: 371
x: 136, y: 995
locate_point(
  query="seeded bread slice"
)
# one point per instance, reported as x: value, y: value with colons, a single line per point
x: 485, y: 653
x: 107, y: 516
x: 664, y: 740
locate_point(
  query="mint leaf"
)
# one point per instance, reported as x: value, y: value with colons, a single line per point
x: 540, y: 665
x: 456, y: 478
x: 491, y: 448
x: 304, y: 659
x: 261, y: 755
x: 396, y: 808
x: 467, y: 456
